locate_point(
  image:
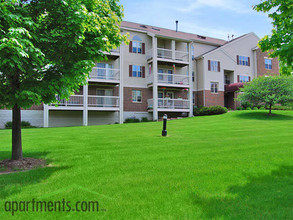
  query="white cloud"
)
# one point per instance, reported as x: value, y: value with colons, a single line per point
x: 231, y: 5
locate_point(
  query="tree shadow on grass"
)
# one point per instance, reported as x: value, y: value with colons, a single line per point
x: 265, y: 197
x: 12, y: 183
x: 264, y: 116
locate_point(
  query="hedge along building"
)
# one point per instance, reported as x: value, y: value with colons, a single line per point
x: 160, y: 71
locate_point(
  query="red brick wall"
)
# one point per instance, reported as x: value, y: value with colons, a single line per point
x: 214, y: 99
x: 129, y: 106
x: 261, y: 70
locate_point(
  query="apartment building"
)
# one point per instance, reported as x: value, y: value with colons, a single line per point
x: 161, y: 71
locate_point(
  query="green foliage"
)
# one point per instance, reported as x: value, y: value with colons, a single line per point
x: 132, y: 120
x: 239, y: 108
x: 246, y: 104
x: 213, y: 110
x: 248, y: 108
x: 280, y: 107
x: 280, y: 11
x: 24, y: 124
x: 262, y: 108
x: 268, y: 91
x: 285, y: 70
x: 145, y: 119
x: 49, y: 47
x: 255, y: 108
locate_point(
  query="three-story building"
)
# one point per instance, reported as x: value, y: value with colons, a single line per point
x: 160, y: 71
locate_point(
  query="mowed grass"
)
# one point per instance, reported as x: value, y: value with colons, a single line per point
x: 233, y: 166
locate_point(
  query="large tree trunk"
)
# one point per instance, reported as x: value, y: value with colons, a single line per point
x: 16, y: 133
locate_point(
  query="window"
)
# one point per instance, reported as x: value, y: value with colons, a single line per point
x: 244, y: 79
x: 268, y: 64
x: 161, y: 75
x: 214, y: 65
x: 244, y: 61
x: 136, y: 71
x: 136, y: 96
x: 136, y: 45
x: 192, y: 76
x: 214, y: 87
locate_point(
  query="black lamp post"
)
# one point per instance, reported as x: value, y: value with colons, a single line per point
x: 164, y: 132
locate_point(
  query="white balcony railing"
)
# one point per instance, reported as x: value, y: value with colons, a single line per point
x: 164, y: 53
x: 182, y: 56
x: 178, y: 79
x: 168, y: 54
x: 166, y: 103
x: 103, y: 101
x: 74, y: 100
x: 105, y: 74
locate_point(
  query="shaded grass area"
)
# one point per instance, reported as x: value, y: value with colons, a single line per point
x: 233, y: 166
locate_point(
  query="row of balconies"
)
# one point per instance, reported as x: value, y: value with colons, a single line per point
x: 180, y: 80
x: 94, y: 102
x: 163, y: 54
x: 111, y: 103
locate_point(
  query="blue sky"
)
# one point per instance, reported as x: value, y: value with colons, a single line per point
x: 214, y: 18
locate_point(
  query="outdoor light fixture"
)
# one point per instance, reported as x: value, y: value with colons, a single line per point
x: 164, y: 132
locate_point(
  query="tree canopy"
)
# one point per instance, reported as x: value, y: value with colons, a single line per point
x: 49, y: 47
x: 268, y: 91
x: 281, y: 40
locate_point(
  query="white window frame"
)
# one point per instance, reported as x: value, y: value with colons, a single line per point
x: 243, y: 79
x: 268, y: 66
x: 135, y: 95
x: 214, y: 65
x: 137, y: 47
x: 243, y: 60
x: 137, y: 71
x: 214, y: 87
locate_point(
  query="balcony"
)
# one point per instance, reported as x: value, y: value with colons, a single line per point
x: 114, y: 53
x: 170, y: 105
x: 170, y: 80
x: 95, y: 103
x: 75, y: 102
x: 166, y: 56
x: 103, y: 103
x: 105, y: 75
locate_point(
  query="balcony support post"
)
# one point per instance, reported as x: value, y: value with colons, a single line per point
x: 46, y: 116
x: 155, y: 81
x: 121, y: 88
x: 85, y: 105
x: 173, y: 50
x: 190, y: 81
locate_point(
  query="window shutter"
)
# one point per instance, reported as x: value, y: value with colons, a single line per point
x: 143, y: 71
x: 237, y: 59
x: 249, y: 79
x: 143, y: 48
x: 130, y: 47
x: 209, y: 65
x: 130, y: 70
x: 248, y: 61
x: 238, y: 78
x: 219, y: 67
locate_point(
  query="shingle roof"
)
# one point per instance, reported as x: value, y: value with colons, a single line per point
x: 172, y: 33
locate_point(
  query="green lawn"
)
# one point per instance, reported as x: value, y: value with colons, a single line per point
x: 233, y: 166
